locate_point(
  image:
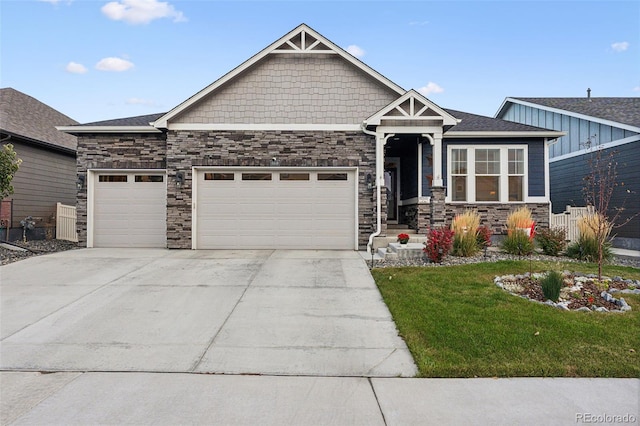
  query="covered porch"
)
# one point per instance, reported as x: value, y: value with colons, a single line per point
x: 409, y: 170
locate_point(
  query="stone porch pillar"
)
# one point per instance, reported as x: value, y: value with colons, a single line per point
x: 438, y: 210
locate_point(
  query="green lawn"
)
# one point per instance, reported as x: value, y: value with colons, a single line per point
x: 458, y: 323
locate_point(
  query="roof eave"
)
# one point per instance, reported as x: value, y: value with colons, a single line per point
x: 39, y: 143
x: 75, y: 130
x: 503, y: 134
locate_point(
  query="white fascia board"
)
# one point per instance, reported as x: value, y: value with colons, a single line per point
x: 606, y: 145
x: 264, y: 126
x: 502, y: 106
x: 502, y: 134
x: 107, y: 129
x: 575, y: 114
x: 272, y: 48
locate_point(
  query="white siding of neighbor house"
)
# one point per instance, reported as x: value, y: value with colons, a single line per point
x: 294, y: 88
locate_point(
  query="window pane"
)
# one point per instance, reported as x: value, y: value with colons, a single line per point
x: 516, y: 192
x: 256, y: 176
x: 487, y: 188
x: 487, y: 161
x: 294, y: 176
x: 332, y: 176
x: 218, y: 176
x: 516, y: 161
x: 459, y: 188
x: 149, y: 178
x: 459, y: 161
x: 112, y: 178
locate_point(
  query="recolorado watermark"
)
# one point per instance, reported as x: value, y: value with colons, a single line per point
x: 605, y: 418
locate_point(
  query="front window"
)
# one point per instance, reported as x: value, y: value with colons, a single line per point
x: 487, y: 174
x: 516, y: 175
x: 459, y: 174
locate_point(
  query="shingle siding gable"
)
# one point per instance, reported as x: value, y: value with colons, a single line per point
x: 293, y: 89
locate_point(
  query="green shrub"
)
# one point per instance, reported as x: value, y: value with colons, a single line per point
x: 551, y: 285
x: 517, y: 242
x: 552, y: 241
x: 465, y: 245
x: 586, y: 249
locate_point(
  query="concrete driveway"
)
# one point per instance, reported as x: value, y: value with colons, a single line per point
x: 314, y: 313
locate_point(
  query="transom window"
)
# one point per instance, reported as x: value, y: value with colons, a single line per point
x: 487, y: 174
x: 332, y: 176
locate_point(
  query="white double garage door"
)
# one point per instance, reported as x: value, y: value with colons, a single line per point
x: 251, y: 208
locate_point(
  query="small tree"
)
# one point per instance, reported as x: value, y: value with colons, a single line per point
x: 599, y: 186
x: 9, y: 164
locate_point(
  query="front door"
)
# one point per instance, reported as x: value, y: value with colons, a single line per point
x: 391, y: 187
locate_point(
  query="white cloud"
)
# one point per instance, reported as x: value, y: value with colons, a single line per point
x: 418, y: 23
x: 140, y: 101
x: 431, y: 87
x: 114, y: 64
x: 356, y: 51
x: 75, y: 68
x: 141, y: 11
x: 620, y: 46
x: 636, y: 89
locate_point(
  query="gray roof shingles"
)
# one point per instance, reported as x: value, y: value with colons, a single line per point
x: 480, y: 123
x: 27, y: 117
x: 140, y: 120
x: 620, y: 110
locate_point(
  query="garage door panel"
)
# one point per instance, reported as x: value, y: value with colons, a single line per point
x: 276, y: 213
x: 129, y: 214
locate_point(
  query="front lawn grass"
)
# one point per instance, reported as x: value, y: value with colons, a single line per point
x: 458, y: 323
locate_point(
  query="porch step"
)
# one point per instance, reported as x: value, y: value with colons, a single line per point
x: 383, y: 242
x: 404, y: 251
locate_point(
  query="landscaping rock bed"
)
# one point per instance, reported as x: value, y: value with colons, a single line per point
x: 32, y: 248
x: 493, y: 255
x: 580, y: 292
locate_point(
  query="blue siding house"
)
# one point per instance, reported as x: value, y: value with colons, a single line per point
x: 607, y: 123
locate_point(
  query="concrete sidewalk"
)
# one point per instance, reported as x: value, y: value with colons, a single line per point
x: 176, y: 398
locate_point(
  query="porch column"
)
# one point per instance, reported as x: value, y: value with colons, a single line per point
x: 419, y: 170
x: 437, y: 160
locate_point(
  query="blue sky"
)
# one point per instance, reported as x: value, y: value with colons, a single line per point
x: 96, y: 60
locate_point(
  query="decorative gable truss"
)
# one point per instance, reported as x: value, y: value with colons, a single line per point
x: 412, y: 113
x: 303, y: 42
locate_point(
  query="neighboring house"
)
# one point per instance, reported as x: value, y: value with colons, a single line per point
x: 589, y: 124
x: 47, y: 174
x: 301, y: 146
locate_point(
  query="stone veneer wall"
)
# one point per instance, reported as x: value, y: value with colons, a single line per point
x: 493, y: 215
x: 125, y: 151
x: 186, y: 149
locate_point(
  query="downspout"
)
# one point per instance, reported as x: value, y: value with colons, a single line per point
x: 380, y: 143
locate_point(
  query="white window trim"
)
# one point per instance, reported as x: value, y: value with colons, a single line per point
x: 504, y: 174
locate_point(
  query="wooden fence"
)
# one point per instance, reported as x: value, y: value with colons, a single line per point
x: 568, y: 220
x: 66, y: 223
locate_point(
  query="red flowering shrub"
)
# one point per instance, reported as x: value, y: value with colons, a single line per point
x: 483, y: 236
x: 439, y: 243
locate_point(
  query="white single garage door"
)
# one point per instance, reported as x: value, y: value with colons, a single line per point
x: 285, y: 209
x: 129, y: 209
